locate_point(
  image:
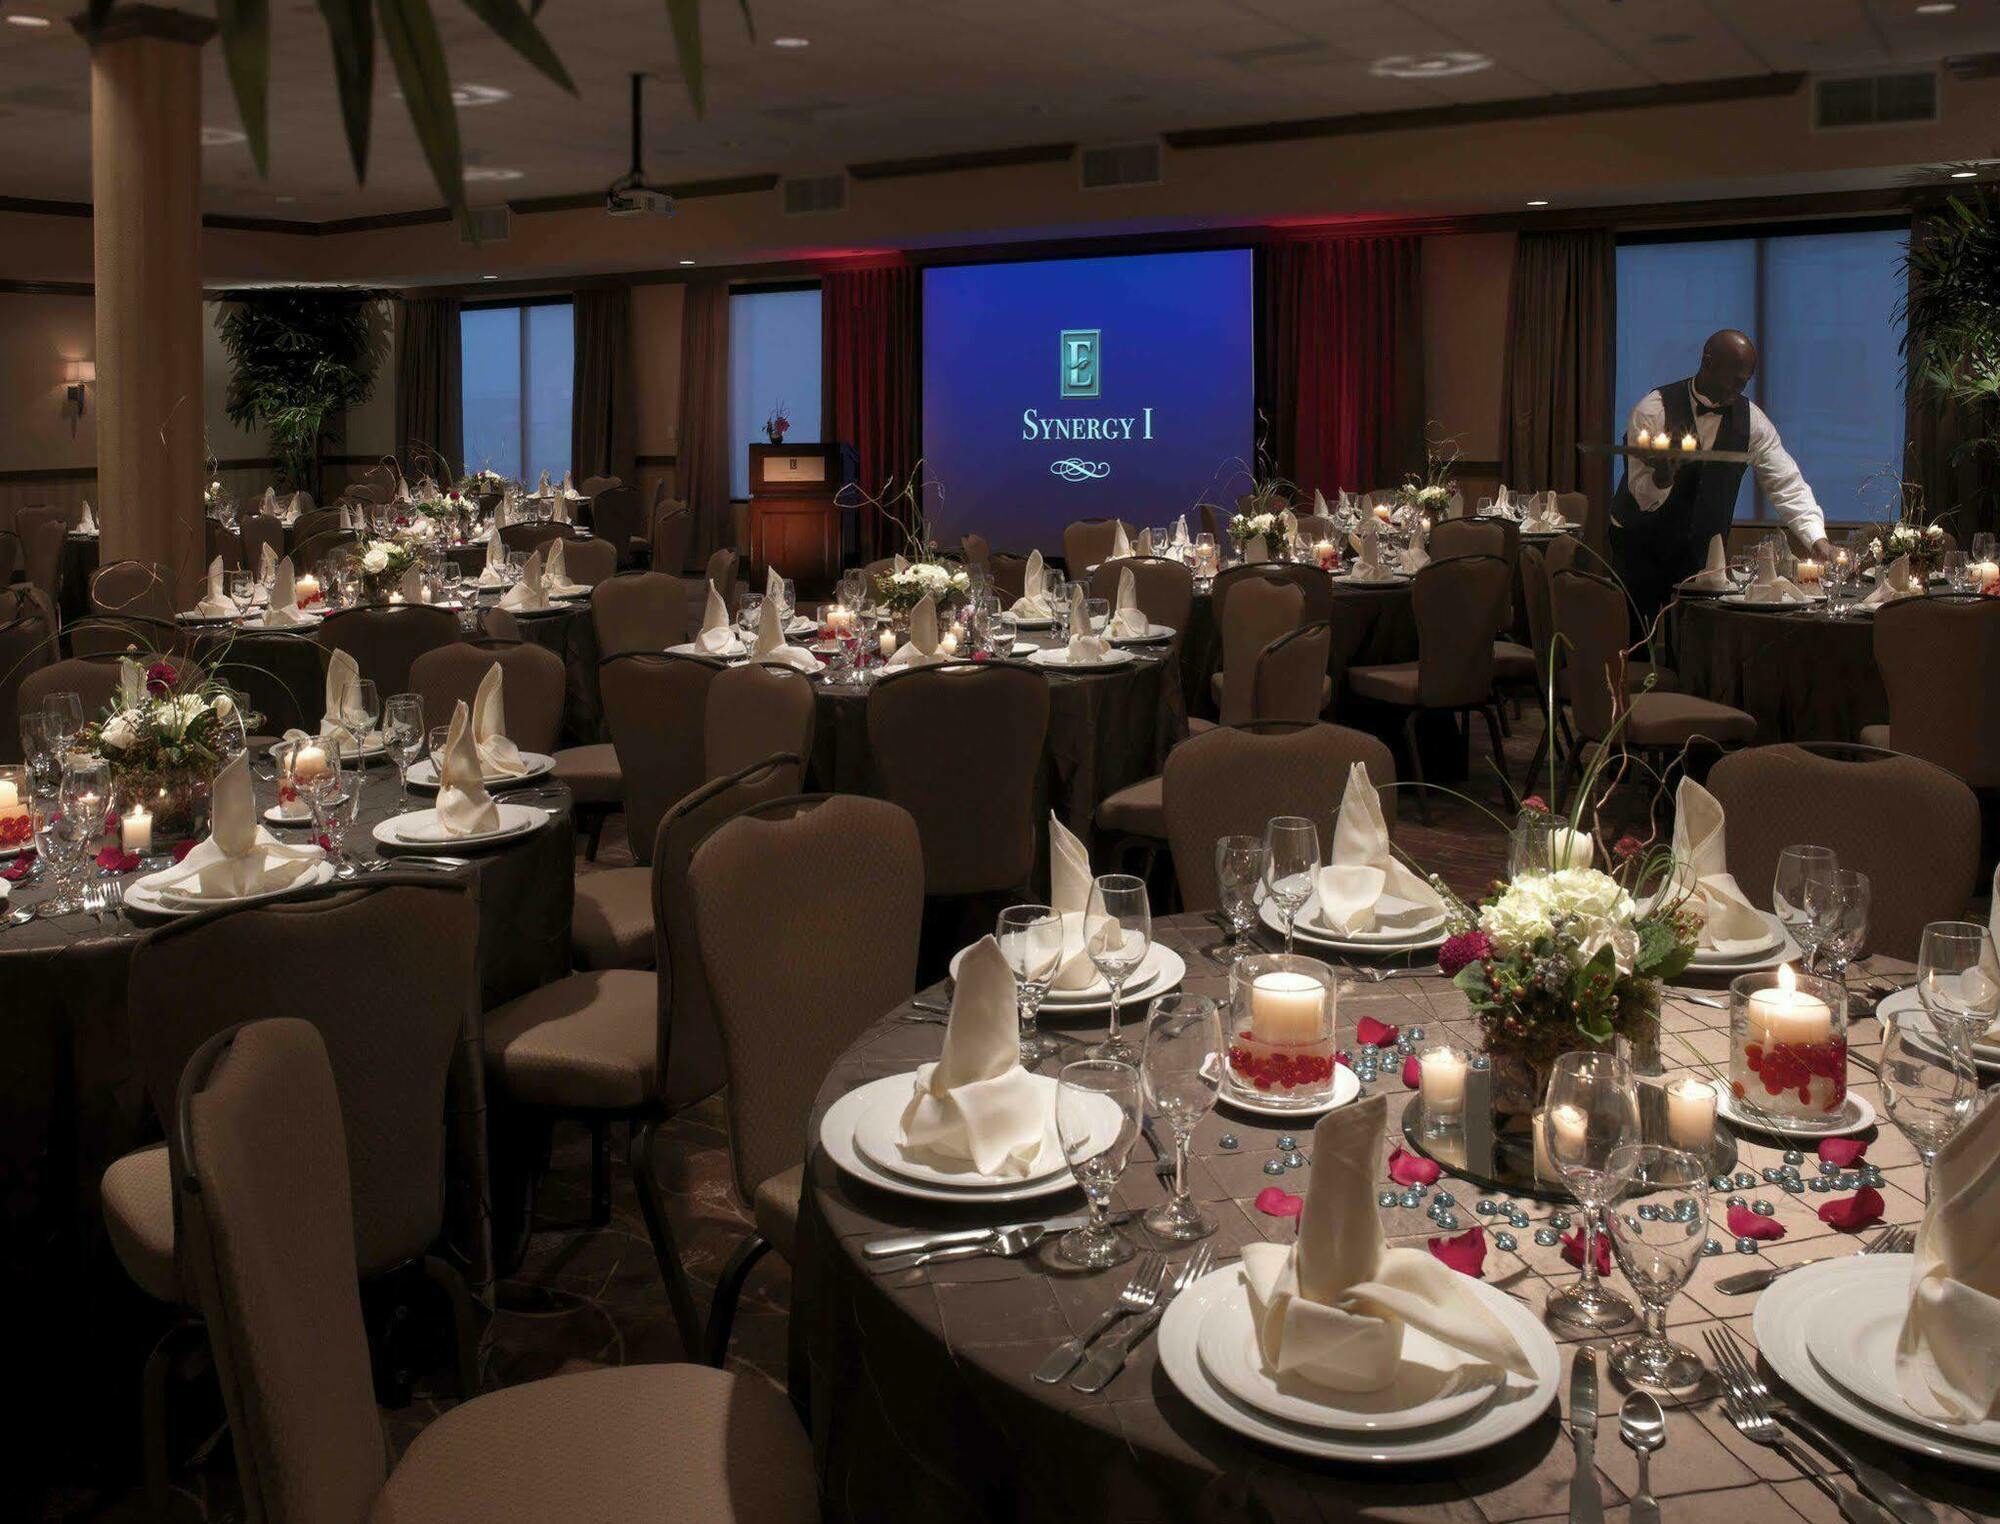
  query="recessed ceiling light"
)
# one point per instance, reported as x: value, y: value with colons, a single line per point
x: 492, y: 172
x: 1965, y: 174
x: 687, y: 261
x: 1443, y: 65
x: 1538, y: 203
x: 1937, y: 7
x: 21, y: 18
x: 220, y: 137
x: 489, y: 277
x: 791, y: 42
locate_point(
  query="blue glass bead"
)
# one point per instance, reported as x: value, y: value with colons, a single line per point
x: 1713, y: 1246
x: 1295, y: 1160
x: 1547, y: 1237
x: 1560, y: 1221
x: 1849, y: 1183
x: 1448, y: 1221
x: 1828, y: 1167
x: 1415, y: 1034
x: 1274, y: 1166
x: 1412, y: 1197
x: 1764, y: 1208
x: 1745, y: 1181
x: 1736, y: 1201
x: 1746, y: 1246
x: 1648, y: 1212
x: 1720, y: 1183
x: 1687, y: 1211
x: 1505, y: 1242
x: 1794, y: 1187
x: 1286, y: 1142
x: 1794, y: 1156
x: 1485, y: 1207
x: 1818, y: 1187
x: 1445, y: 1198
x: 1228, y: 1141
x: 1387, y: 1199
x: 1772, y: 1175
x: 1479, y: 1061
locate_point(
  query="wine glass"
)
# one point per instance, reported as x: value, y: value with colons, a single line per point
x: 1291, y: 863
x: 1837, y: 908
x: 1097, y: 1122
x: 1118, y: 933
x: 1239, y: 869
x: 364, y: 705
x: 1741, y: 571
x: 1180, y: 1064
x: 316, y: 773
x: 62, y: 718
x: 1798, y: 867
x: 38, y: 752
x: 403, y: 736
x: 1958, y: 980
x: 1928, y: 1081
x: 1591, y: 1111
x: 1657, y: 1229
x: 1031, y: 940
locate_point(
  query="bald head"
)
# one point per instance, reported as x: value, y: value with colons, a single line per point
x: 1728, y: 361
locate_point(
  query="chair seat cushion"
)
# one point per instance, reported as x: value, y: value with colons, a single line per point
x: 1393, y: 683
x: 588, y: 1042
x: 1664, y: 678
x: 611, y: 925
x: 1513, y: 663
x: 138, y: 1193
x: 776, y: 1209
x: 662, y: 1444
x: 591, y: 773
x: 1673, y: 719
x: 1876, y: 735
x: 1140, y: 809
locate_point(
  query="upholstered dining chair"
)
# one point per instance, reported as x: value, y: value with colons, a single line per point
x: 1088, y: 541
x: 752, y: 711
x: 10, y: 557
x: 618, y: 518
x: 639, y: 611
x: 222, y: 543
x: 25, y: 639
x: 257, y: 531
x: 593, y: 487
x: 531, y: 679
x: 1257, y: 612
x: 1457, y: 604
x: 589, y: 562
x: 1010, y: 575
x: 1164, y: 589
x: 1231, y: 781
x: 313, y: 521
x: 1311, y: 582
x: 958, y: 747
x: 1939, y: 660
x: 94, y: 681
x: 384, y: 640
x: 268, y: 1202
x: 532, y: 536
x: 1924, y: 869
x: 672, y: 527
x: 805, y: 986
x: 282, y: 673
x: 1468, y: 537
x: 134, y: 589
x: 391, y: 1059
x: 721, y: 574
x: 43, y: 542
x: 975, y: 550
x: 1213, y: 522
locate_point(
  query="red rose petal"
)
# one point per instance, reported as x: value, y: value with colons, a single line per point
x: 182, y: 848
x: 1413, y: 1073
x: 1744, y: 1223
x: 1572, y: 1245
x: 1406, y: 1168
x: 20, y: 868
x: 1465, y: 1253
x: 1274, y: 1202
x: 1850, y: 1214
x: 1371, y: 1033
x: 1842, y: 1151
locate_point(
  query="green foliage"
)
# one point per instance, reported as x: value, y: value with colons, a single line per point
x: 300, y: 358
x: 1951, y: 338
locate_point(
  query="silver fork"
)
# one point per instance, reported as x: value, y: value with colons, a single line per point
x: 1109, y: 1358
x: 1740, y: 1378
x: 114, y: 898
x: 92, y: 896
x: 1140, y: 1293
x: 1888, y: 1241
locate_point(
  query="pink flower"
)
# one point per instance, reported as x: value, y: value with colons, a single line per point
x: 161, y: 678
x: 1274, y: 1201
x: 1850, y: 1214
x: 1465, y: 1253
x: 1744, y: 1223
x: 1406, y: 1168
x: 1627, y: 847
x: 1467, y: 948
x: 1535, y: 802
x: 1413, y: 1073
x: 1842, y: 1151
x: 1573, y: 1250
x: 1371, y: 1033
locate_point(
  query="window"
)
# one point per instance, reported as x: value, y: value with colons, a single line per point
x: 1822, y: 308
x: 773, y: 364
x: 518, y: 362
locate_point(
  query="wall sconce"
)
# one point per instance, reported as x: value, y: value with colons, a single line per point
x: 79, y: 374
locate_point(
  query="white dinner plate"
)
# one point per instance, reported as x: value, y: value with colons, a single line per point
x: 262, y: 624
x: 1788, y: 1313
x: 1855, y: 1115
x: 1782, y: 950
x: 189, y: 616
x: 836, y: 1136
x: 276, y: 815
x: 423, y: 772
x: 1906, y: 1003
x: 1162, y: 969
x: 1384, y: 579
x: 1155, y: 634
x: 1510, y: 1410
x: 741, y: 647
x: 141, y: 895
x: 1745, y: 601
x: 419, y: 828
x: 875, y: 1138
x: 1427, y: 1390
x: 1058, y: 658
x: 1346, y: 1086
x: 1427, y: 933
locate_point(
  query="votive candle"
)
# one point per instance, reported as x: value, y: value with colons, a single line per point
x: 1568, y: 1129
x: 1689, y: 443
x: 308, y: 763
x: 1442, y: 1071
x: 1691, y: 1114
x: 11, y: 807
x: 888, y: 643
x: 135, y: 829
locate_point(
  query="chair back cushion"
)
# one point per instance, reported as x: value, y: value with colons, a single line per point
x: 656, y: 709
x: 753, y: 711
x: 530, y: 536
x: 1087, y: 542
x: 134, y: 588
x: 257, y: 531
x: 384, y: 640
x: 531, y: 687
x: 95, y: 682
x: 639, y: 611
x: 721, y: 571
x: 1164, y: 589
x: 1940, y: 663
x: 1457, y: 604
x: 1541, y: 618
x: 617, y: 517
x: 1009, y: 576
x: 1590, y: 621
x: 1291, y: 679
x: 1258, y: 611
x: 283, y: 675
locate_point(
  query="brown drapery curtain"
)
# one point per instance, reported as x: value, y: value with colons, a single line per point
x: 868, y: 373
x: 1344, y: 360
x: 600, y: 411
x: 1555, y: 389
x: 1955, y: 479
x: 703, y: 470
x: 429, y: 415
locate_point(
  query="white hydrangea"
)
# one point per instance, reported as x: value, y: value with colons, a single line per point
x: 120, y: 731
x: 1592, y: 908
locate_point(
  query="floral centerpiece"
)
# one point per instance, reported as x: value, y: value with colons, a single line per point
x: 484, y: 483
x: 164, y: 737
x: 1263, y: 521
x: 1430, y: 494
x: 776, y: 424
x: 383, y: 563
x: 921, y: 571
x: 211, y: 496
x: 946, y: 585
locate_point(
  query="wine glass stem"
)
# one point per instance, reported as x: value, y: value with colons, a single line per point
x: 1117, y: 989
x: 1291, y: 920
x: 1589, y: 1282
x: 1653, y: 1321
x: 1181, y: 1141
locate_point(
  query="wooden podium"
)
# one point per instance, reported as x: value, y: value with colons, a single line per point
x: 795, y: 520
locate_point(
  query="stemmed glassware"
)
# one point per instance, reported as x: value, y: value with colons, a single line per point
x: 1591, y: 1111
x: 403, y: 735
x: 1836, y: 907
x: 1031, y: 940
x: 38, y: 752
x: 66, y: 824
x: 1118, y: 933
x: 62, y: 720
x: 1291, y: 863
x: 1928, y: 1083
x: 1181, y: 1065
x: 1097, y: 1122
x: 1798, y: 867
x: 1239, y: 869
x: 318, y: 780
x: 366, y: 703
x: 1657, y: 1229
x: 1958, y: 981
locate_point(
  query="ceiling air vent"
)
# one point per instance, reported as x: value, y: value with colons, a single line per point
x: 486, y: 224
x: 810, y: 195
x: 1121, y: 164
x: 1876, y: 100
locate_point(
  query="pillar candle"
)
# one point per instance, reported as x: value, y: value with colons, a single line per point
x: 11, y: 807
x: 1287, y: 1008
x: 1568, y: 1129
x: 888, y: 643
x: 1789, y: 1015
x: 308, y: 763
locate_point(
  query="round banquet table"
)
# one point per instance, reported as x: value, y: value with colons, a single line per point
x: 918, y: 1382
x: 1804, y: 677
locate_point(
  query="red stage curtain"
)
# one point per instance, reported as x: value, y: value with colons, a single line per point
x: 869, y: 339
x: 1343, y: 355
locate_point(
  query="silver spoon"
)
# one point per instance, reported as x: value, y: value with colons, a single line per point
x: 1643, y: 1427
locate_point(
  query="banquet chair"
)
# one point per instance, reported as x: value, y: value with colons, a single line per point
x: 94, y: 635
x: 1257, y: 612
x: 314, y: 521
x: 24, y: 649
x: 1456, y: 603
x: 267, y: 1192
x: 639, y: 611
x: 385, y: 639
x: 224, y: 544
x: 10, y: 557
x: 590, y: 561
x: 1164, y: 589
x: 309, y: 550
x: 1230, y: 782
x: 805, y: 986
x: 95, y: 682
x: 618, y: 519
x: 1088, y: 541
x: 721, y: 570
x: 1212, y: 522
x: 43, y: 547
x: 531, y: 536
x: 1010, y: 577
x: 976, y: 550
x: 280, y: 673
x: 1315, y: 527
x: 1940, y: 659
x: 1311, y: 582
x: 592, y: 486
x: 666, y: 544
x: 752, y: 711
x: 392, y: 1059
x: 1925, y: 869
x: 1566, y: 552
x: 959, y: 749
x: 499, y: 624
x: 256, y: 531
x: 136, y: 589
x: 531, y: 679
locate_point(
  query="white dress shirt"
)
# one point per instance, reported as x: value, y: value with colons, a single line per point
x: 1777, y: 473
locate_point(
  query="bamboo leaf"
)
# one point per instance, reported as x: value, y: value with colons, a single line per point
x: 350, y: 27
x: 685, y: 16
x: 410, y: 33
x: 512, y: 25
x: 246, y: 49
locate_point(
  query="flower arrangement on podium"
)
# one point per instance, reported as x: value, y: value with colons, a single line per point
x: 776, y: 425
x: 164, y: 736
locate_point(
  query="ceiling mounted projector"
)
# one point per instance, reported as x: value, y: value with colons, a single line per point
x: 629, y: 195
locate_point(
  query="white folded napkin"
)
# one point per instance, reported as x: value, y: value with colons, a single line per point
x: 1320, y: 510
x: 239, y: 857
x: 1128, y: 621
x: 215, y: 603
x: 344, y: 716
x: 774, y: 586
x: 1121, y: 543
x: 1948, y: 1355
x: 1714, y: 575
x: 715, y: 636
x: 976, y: 1104
x: 542, y: 488
x: 1416, y: 556
x: 1085, y: 644
x: 531, y: 592
x: 1348, y: 894
x: 1181, y: 530
x: 1769, y: 587
x: 1540, y: 512
x: 1729, y: 922
x: 87, y: 521
x: 771, y: 649
x: 1033, y: 602
x: 283, y: 610
x: 1256, y: 549
x: 464, y: 808
x: 271, y: 500
x: 498, y: 756
x: 1361, y: 840
x: 921, y: 649
x: 1331, y: 1307
x: 1144, y: 545
x: 132, y: 684
x: 1367, y: 542
x: 1892, y: 582
x: 267, y: 563
x: 898, y: 566
x: 494, y: 572
x: 555, y: 577
x: 1503, y: 504
x: 1070, y: 881
x: 410, y: 588
x: 294, y: 506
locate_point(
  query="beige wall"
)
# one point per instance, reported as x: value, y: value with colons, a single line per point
x: 38, y: 335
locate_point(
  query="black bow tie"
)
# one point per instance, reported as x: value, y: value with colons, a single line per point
x: 1703, y: 409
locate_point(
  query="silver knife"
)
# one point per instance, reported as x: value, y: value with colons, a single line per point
x: 1107, y: 1358
x: 918, y: 1243
x: 1586, y: 1497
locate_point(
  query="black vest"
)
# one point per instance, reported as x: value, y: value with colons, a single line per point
x: 1702, y: 501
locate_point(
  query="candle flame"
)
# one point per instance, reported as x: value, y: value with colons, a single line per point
x: 1787, y: 980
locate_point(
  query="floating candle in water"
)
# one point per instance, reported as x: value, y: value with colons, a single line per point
x: 1287, y: 1008
x: 1788, y: 1015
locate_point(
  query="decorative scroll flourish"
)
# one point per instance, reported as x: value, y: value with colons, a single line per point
x: 1074, y: 470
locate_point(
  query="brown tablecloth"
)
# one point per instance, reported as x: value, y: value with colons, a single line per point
x: 1805, y: 677
x: 923, y: 1408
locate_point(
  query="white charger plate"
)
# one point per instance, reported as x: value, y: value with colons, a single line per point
x: 1412, y: 940
x: 875, y: 1138
x: 1819, y: 1296
x: 1057, y: 657
x: 141, y: 895
x: 419, y: 828
x: 1423, y: 1392
x: 423, y: 772
x: 1907, y: 1002
x: 262, y: 624
x: 1155, y: 635
x: 741, y: 647
x: 1783, y: 950
x: 1745, y: 601
x: 836, y: 1136
x: 1509, y: 1411
x: 1346, y: 1086
x: 1162, y: 969
x: 1855, y: 1115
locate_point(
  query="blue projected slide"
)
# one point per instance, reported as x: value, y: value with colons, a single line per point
x: 1086, y: 388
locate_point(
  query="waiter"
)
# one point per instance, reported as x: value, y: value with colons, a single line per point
x: 1664, y: 517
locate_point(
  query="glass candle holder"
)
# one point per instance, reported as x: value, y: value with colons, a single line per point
x: 17, y: 828
x: 1441, y: 1071
x: 1281, y: 1039
x: 1788, y: 1045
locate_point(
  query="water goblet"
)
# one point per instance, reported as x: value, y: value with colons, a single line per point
x: 316, y: 773
x: 1591, y: 1111
x: 62, y: 717
x: 1798, y: 867
x: 403, y: 736
x: 1741, y: 570
x: 1097, y: 1122
x: 1239, y: 871
x: 1958, y: 980
x: 364, y: 709
x: 38, y: 752
x: 1658, y: 1227
x: 55, y: 837
x: 435, y: 741
x: 1118, y: 933
x: 1837, y: 907
x: 1291, y: 864
x: 1180, y: 1064
x: 1928, y: 1083
x: 1031, y: 940
x: 1099, y: 610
